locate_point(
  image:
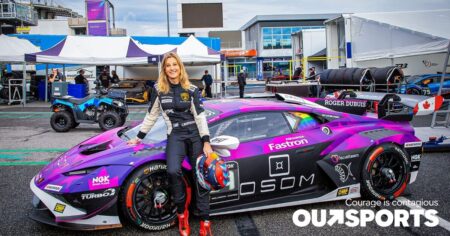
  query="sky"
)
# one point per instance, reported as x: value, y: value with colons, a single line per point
x: 148, y: 17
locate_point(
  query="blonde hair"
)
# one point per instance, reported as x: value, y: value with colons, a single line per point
x: 163, y: 81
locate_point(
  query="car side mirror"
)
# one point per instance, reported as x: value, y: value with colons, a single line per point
x: 223, y: 144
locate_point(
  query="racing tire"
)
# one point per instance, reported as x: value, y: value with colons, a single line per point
x: 109, y: 120
x: 146, y: 200
x: 123, y: 119
x: 385, y: 173
x: 61, y: 121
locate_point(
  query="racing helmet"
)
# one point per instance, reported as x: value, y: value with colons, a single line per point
x: 212, y: 172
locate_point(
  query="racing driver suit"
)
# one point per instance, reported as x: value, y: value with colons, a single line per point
x: 187, y: 129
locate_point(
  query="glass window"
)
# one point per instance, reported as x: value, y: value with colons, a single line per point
x: 301, y: 121
x: 286, y: 41
x: 267, y: 42
x: 267, y: 31
x: 286, y: 30
x: 276, y: 30
x: 276, y: 41
x: 252, y: 126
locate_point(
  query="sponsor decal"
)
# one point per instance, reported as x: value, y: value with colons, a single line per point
x: 344, y: 172
x: 428, y: 63
x: 166, y: 101
x: 59, y: 208
x: 413, y: 144
x: 155, y: 227
x: 154, y: 168
x: 335, y: 158
x: 355, y: 218
x: 344, y: 103
x: 288, y: 143
x: 103, y: 180
x: 343, y: 192
x: 278, y: 165
x: 416, y: 157
x: 107, y: 193
x: 354, y: 189
x: 52, y: 187
x: 184, y: 96
x: 270, y: 185
x: 100, y: 180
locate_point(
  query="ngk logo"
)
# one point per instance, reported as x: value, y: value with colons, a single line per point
x: 100, y: 180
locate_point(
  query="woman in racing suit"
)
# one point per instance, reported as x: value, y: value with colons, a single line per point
x: 188, y: 134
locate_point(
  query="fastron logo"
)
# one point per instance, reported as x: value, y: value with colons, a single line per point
x: 288, y: 144
x: 100, y: 180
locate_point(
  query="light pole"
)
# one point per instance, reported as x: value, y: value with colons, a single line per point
x: 167, y: 9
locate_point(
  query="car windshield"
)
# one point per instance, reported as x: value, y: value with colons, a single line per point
x: 159, y: 131
x: 157, y: 134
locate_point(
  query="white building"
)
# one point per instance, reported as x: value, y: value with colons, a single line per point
x: 417, y: 41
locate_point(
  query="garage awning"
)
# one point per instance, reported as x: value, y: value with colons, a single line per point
x: 13, y: 50
x: 88, y: 50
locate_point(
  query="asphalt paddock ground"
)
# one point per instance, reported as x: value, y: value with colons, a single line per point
x: 432, y: 184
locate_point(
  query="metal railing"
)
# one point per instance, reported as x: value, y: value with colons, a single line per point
x: 16, y: 11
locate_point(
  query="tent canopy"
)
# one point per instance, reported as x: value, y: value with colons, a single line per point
x: 14, y: 49
x: 191, y: 51
x: 399, y: 34
x: 94, y: 51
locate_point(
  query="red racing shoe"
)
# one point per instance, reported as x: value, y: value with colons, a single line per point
x: 183, y: 223
x: 205, y: 228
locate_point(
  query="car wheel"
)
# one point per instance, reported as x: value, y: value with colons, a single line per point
x: 109, y: 120
x: 61, y: 121
x: 146, y: 200
x: 385, y: 173
x: 123, y: 119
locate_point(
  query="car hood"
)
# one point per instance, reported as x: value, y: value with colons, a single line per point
x: 106, y: 149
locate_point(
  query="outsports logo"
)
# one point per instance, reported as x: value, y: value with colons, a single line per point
x: 354, y: 218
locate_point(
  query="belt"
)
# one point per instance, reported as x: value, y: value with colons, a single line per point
x: 184, y: 124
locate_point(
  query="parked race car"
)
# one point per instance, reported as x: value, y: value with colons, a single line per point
x: 136, y: 91
x: 290, y: 152
x: 426, y: 85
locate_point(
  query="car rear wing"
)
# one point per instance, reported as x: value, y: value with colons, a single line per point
x: 395, y: 107
x: 399, y: 107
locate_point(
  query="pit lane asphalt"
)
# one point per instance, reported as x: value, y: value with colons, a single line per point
x: 30, y: 136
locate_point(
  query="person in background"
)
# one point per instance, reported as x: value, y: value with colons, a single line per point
x: 313, y: 89
x: 207, y: 79
x: 312, y: 73
x: 241, y: 82
x: 80, y: 79
x: 104, y: 79
x: 56, y: 76
x: 298, y: 73
x: 115, y: 77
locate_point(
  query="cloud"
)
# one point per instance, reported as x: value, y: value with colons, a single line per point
x: 144, y: 17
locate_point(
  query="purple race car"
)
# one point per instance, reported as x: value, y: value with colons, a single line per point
x: 287, y: 154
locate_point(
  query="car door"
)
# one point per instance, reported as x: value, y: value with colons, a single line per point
x: 264, y: 166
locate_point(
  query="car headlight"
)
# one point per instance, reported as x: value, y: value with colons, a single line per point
x: 118, y: 103
x: 80, y: 172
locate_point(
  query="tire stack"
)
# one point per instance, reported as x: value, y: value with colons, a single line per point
x: 336, y: 79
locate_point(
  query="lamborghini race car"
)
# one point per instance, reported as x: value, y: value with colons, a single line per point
x: 289, y: 152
